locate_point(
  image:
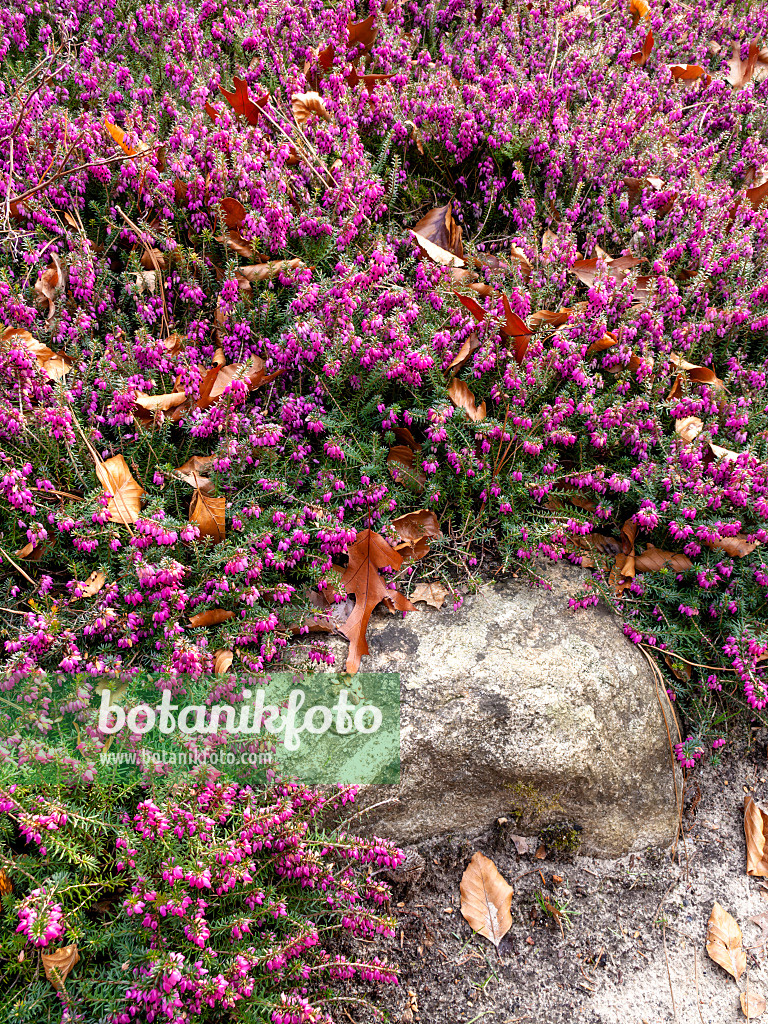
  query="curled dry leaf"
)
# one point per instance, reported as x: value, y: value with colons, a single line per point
x: 485, y: 899
x: 522, y: 261
x: 756, y: 833
x: 442, y: 257
x: 689, y: 428
x: 52, y: 283
x: 369, y: 553
x: 93, y: 584
x: 724, y: 942
x: 265, y: 271
x: 639, y: 9
x: 233, y: 213
x: 546, y: 316
x: 222, y: 661
x: 587, y: 270
x: 416, y: 529
x: 146, y: 281
x: 433, y: 594
x: 688, y: 73
x: 439, y: 228
x: 115, y: 477
x: 195, y: 472
x: 462, y: 398
x: 210, y: 514
x: 212, y: 617
x: 472, y: 344
x: 160, y: 403
x: 305, y: 103
x: 752, y: 1004
x: 58, y: 964
x: 641, y: 57
x: 741, y: 71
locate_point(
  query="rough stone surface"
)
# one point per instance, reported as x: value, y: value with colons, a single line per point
x: 515, y: 688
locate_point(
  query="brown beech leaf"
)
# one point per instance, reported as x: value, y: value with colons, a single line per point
x: 546, y: 316
x: 756, y: 832
x: 741, y: 71
x: 160, y: 403
x: 305, y: 103
x: 212, y: 617
x: 234, y: 240
x: 32, y: 552
x: 608, y: 340
x: 752, y: 1004
x: 587, y: 270
x: 689, y: 428
x: 736, y: 547
x: 472, y: 344
x: 639, y: 9
x: 653, y: 559
x: 209, y: 513
x: 416, y: 529
x: 369, y: 553
x: 195, y: 472
x: 679, y: 669
x: 58, y: 964
x: 442, y: 257
x: 522, y: 261
x: 404, y: 436
x: 371, y: 82
x: 93, y: 584
x: 265, y: 271
x: 403, y: 468
x: 724, y: 942
x: 51, y: 285
x: 119, y: 137
x: 641, y: 57
x: 222, y: 661
x: 439, y: 227
x: 462, y: 398
x: 694, y: 373
x: 433, y: 594
x: 242, y: 103
x: 54, y: 365
x: 233, y: 212
x: 115, y: 477
x: 485, y: 899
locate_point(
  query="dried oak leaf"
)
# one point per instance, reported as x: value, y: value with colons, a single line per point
x: 757, y: 195
x: 462, y: 398
x: 641, y: 56
x: 485, y: 899
x: 439, y: 227
x: 210, y: 514
x: 58, y: 964
x: 752, y: 1004
x: 724, y: 942
x: 741, y: 71
x: 513, y: 331
x: 242, y: 103
x: 212, y: 617
x: 362, y: 34
x: 756, y: 832
x: 369, y: 553
x: 433, y: 594
x: 305, y: 103
x: 115, y: 477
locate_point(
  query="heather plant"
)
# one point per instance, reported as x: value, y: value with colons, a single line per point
x: 225, y: 353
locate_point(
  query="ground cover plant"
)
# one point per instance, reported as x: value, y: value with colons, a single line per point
x: 301, y: 304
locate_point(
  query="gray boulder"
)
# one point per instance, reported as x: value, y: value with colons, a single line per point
x: 517, y: 707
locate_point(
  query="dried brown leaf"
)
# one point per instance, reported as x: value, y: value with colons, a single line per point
x: 51, y: 285
x: 462, y: 398
x: 93, y: 584
x: 486, y: 898
x: 741, y: 71
x: 209, y: 513
x: 212, y: 617
x: 222, y: 661
x: 160, y: 403
x: 242, y: 103
x: 737, y: 546
x: 195, y: 472
x: 689, y: 428
x: 756, y: 832
x: 305, y: 103
x: 724, y: 942
x: 58, y: 964
x: 439, y: 228
x: 233, y: 212
x: 472, y: 344
x: 415, y: 525
x: 403, y: 468
x: 369, y: 553
x: 115, y: 477
x: 433, y: 594
x: 752, y: 1004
